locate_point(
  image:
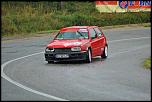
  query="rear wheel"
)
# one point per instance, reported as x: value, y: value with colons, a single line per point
x: 105, y: 52
x: 89, y: 58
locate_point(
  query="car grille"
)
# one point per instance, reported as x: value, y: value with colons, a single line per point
x: 62, y: 50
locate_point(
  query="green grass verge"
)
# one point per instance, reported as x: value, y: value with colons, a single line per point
x: 53, y: 32
x: 32, y: 17
x: 147, y: 63
x: 22, y: 35
x: 147, y: 25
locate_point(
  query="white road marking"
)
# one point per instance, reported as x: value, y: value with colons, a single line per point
x: 137, y: 48
x: 23, y: 86
x: 128, y: 39
x: 44, y: 94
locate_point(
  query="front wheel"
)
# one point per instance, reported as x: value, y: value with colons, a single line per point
x: 89, y: 58
x: 49, y: 62
x: 105, y: 52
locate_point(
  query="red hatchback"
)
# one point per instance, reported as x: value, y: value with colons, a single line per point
x: 77, y: 43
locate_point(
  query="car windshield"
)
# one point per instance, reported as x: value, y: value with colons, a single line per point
x: 72, y: 35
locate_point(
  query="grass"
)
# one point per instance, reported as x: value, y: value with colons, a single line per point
x: 53, y: 32
x: 28, y: 35
x: 147, y: 63
x: 22, y: 18
x: 147, y: 25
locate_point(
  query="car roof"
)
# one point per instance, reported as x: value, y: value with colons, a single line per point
x: 75, y: 28
x: 81, y: 27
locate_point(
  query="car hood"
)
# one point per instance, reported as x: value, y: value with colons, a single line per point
x: 67, y: 43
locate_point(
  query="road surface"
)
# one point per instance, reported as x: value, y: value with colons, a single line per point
x: 27, y: 76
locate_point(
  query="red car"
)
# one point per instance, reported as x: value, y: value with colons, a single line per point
x: 77, y: 43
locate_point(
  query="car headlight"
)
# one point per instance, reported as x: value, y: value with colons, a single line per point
x: 49, y: 49
x: 76, y: 49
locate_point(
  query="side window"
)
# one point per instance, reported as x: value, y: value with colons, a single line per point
x: 98, y: 31
x: 92, y: 33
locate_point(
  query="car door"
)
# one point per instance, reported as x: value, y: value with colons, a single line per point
x: 95, y: 42
x: 101, y: 39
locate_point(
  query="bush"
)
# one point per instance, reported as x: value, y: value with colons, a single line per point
x: 27, y: 17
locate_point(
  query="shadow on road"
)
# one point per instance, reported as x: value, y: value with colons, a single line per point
x: 78, y: 62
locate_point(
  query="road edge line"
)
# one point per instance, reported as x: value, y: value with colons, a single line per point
x: 23, y: 86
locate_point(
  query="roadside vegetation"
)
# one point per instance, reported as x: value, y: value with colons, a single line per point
x: 147, y: 25
x: 147, y: 63
x: 31, y: 17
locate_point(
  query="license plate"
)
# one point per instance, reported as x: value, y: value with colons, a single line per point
x: 62, y: 56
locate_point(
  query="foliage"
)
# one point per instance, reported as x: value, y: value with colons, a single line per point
x: 28, y: 17
x: 147, y: 63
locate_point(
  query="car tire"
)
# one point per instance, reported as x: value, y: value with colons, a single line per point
x: 89, y: 58
x: 50, y: 62
x: 105, y: 52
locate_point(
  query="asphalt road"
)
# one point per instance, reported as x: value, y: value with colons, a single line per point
x: 27, y: 76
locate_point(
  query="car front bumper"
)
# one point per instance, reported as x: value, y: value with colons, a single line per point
x: 73, y: 56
